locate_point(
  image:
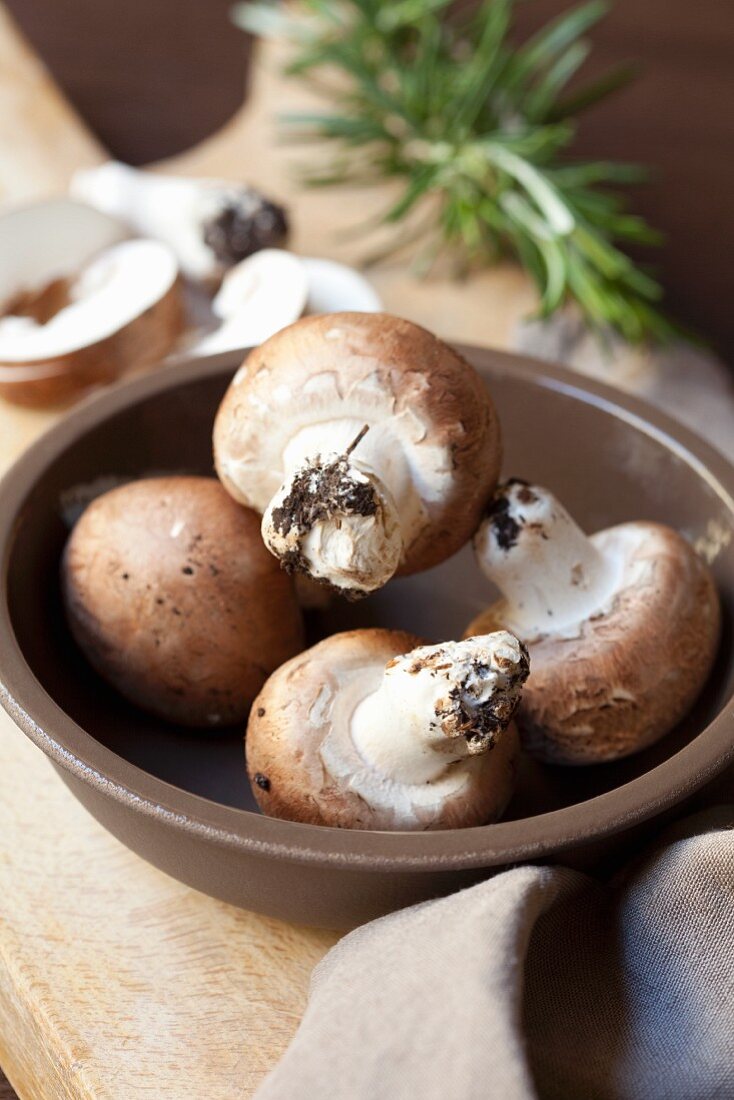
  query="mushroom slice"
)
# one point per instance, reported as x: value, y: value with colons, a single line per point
x: 271, y: 289
x: 369, y: 445
x: 42, y: 247
x: 82, y: 321
x: 334, y: 287
x: 209, y: 224
x: 174, y: 600
x: 257, y: 298
x: 622, y: 626
x: 372, y: 730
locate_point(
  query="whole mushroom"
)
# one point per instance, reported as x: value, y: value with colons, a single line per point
x: 622, y: 626
x: 369, y: 445
x: 172, y: 597
x: 372, y: 730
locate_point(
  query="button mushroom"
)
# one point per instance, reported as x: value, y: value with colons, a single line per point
x: 209, y: 224
x: 173, y: 598
x: 622, y: 626
x: 372, y: 730
x: 80, y: 305
x: 368, y: 444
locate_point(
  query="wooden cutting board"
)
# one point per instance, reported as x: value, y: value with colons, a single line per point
x: 115, y: 980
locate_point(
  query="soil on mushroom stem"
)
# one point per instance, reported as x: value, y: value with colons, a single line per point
x: 338, y: 492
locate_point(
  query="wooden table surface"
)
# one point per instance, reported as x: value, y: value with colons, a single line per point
x: 115, y: 980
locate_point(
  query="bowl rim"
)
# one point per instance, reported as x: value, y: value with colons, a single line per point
x: 75, y: 750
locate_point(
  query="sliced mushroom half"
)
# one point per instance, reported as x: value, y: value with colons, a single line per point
x: 80, y: 304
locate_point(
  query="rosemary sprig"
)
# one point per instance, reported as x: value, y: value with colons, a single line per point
x: 478, y: 130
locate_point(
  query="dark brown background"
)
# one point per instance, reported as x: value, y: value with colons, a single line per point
x: 153, y: 76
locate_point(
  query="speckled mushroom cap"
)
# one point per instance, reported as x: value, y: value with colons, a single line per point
x: 430, y: 419
x: 302, y: 767
x: 175, y: 601
x: 624, y: 677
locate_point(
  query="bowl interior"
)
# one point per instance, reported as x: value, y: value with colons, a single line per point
x: 604, y: 463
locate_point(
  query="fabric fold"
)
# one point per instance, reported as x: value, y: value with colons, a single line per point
x: 539, y: 983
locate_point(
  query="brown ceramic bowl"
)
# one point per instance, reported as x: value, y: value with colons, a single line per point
x: 181, y: 799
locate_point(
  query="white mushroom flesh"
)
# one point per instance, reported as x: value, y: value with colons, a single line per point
x: 49, y: 240
x: 120, y: 284
x: 407, y: 737
x: 325, y: 420
x: 552, y: 576
x: 333, y: 287
x: 258, y: 297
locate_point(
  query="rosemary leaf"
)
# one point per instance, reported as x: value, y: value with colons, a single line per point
x: 479, y: 130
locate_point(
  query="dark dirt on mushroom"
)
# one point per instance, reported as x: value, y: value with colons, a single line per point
x: 506, y: 529
x: 242, y: 228
x: 481, y: 724
x: 321, y: 490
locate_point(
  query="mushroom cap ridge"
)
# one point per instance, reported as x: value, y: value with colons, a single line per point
x: 175, y: 601
x: 291, y: 717
x: 376, y: 369
x: 630, y: 673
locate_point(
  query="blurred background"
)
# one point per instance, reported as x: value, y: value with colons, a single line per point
x: 153, y: 77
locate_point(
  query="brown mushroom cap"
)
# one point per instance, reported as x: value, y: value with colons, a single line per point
x: 292, y: 717
x: 381, y: 371
x: 627, y: 675
x: 175, y: 601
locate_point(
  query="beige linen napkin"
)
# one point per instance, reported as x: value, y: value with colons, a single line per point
x: 540, y: 982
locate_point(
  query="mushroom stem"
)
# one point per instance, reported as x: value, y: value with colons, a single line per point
x: 439, y: 704
x: 550, y: 573
x: 337, y: 516
x: 210, y: 224
x: 337, y: 524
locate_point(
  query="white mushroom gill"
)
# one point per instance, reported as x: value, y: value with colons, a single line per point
x: 551, y: 574
x: 438, y: 705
